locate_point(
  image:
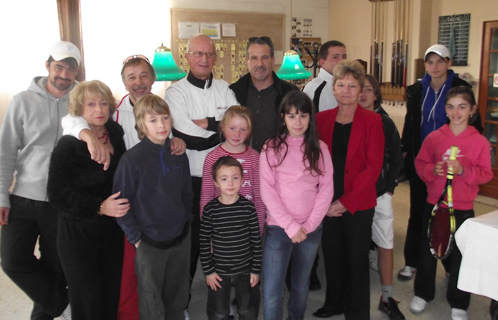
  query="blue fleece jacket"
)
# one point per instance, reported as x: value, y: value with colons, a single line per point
x: 433, y: 105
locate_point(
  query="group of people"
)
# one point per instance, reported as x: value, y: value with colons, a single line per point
x: 250, y: 177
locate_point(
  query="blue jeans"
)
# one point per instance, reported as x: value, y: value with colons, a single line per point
x: 277, y: 250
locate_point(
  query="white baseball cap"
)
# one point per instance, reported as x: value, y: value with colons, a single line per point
x: 62, y: 50
x: 438, y: 49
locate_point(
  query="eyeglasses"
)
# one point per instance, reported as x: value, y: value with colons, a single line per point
x: 140, y: 56
x: 199, y: 54
x: 264, y: 39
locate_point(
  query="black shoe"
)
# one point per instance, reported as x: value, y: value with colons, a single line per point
x: 323, y: 313
x: 315, y: 285
x: 391, y: 309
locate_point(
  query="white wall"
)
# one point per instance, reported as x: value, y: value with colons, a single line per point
x: 25, y: 43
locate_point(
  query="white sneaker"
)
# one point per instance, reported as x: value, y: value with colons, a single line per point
x: 458, y: 314
x: 418, y: 305
x: 406, y: 273
x: 185, y: 313
x: 66, y: 314
x: 372, y: 260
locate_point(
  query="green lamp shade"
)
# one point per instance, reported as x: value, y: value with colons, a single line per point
x: 165, y: 67
x: 292, y: 68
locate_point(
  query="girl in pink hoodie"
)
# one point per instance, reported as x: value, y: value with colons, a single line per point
x: 297, y: 189
x: 471, y: 168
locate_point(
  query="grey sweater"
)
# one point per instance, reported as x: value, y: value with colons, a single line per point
x: 30, y: 129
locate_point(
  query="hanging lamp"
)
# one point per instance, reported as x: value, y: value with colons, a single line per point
x: 292, y: 68
x: 165, y: 67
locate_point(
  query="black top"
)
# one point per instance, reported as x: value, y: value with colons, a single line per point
x: 230, y: 242
x: 264, y: 115
x: 391, y: 166
x: 242, y: 89
x: 340, y: 142
x: 159, y: 188
x: 77, y: 185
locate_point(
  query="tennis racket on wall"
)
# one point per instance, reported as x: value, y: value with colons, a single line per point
x: 442, y: 224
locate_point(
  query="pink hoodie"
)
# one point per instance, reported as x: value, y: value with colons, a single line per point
x: 295, y: 198
x: 473, y: 154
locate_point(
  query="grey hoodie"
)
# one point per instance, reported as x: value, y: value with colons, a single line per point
x: 30, y: 129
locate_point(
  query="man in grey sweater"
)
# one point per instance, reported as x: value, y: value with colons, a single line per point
x: 30, y: 129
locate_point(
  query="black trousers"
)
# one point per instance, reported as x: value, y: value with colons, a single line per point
x: 493, y: 309
x: 345, y: 244
x: 425, y: 278
x: 418, y: 199
x: 92, y: 258
x: 163, y: 280
x: 41, y: 279
x: 195, y: 226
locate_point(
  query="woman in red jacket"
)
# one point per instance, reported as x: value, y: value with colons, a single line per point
x: 355, y: 138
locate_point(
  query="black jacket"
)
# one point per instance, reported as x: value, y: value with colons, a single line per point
x: 240, y: 89
x: 391, y: 167
x: 77, y: 185
x: 159, y: 188
x: 411, y: 141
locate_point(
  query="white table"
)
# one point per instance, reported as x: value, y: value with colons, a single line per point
x: 477, y: 239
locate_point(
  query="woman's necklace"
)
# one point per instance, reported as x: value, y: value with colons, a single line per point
x: 105, y: 137
x: 343, y: 120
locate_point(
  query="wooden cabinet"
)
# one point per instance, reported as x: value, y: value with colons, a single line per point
x: 488, y: 99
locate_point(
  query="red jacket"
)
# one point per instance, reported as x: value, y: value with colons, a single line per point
x: 364, y: 158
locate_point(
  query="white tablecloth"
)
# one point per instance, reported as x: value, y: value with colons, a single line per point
x: 477, y: 239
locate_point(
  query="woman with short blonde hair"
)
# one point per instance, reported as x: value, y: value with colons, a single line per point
x: 356, y: 141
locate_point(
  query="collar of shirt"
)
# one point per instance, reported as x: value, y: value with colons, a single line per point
x: 198, y: 82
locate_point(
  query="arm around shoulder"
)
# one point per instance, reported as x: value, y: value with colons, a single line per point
x: 66, y: 164
x: 73, y: 125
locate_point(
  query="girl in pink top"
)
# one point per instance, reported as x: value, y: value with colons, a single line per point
x: 236, y: 127
x: 472, y: 168
x: 297, y: 189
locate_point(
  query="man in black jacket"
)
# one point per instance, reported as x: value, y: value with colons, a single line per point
x: 261, y: 90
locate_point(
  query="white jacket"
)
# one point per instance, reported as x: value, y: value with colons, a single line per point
x: 194, y: 99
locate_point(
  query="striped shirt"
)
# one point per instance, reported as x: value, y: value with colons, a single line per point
x: 249, y: 159
x: 230, y: 242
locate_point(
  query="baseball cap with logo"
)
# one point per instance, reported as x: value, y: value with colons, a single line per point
x: 62, y: 50
x: 438, y: 49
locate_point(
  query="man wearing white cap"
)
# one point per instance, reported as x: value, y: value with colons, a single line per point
x: 426, y: 101
x: 30, y: 130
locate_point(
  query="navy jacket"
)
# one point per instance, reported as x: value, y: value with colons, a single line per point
x: 159, y: 188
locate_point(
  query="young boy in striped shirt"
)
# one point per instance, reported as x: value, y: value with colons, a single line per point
x: 230, y: 243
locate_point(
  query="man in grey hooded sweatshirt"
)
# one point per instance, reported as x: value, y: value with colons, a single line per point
x: 30, y: 129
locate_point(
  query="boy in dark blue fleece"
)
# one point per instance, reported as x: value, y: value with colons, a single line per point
x: 159, y: 189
